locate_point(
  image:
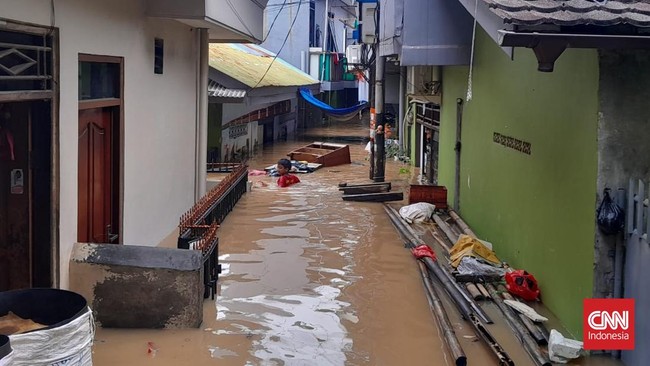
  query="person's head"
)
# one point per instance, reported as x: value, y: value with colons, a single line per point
x: 284, y: 166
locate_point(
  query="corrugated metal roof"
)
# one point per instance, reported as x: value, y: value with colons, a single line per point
x: 572, y: 12
x: 248, y: 62
x: 217, y: 90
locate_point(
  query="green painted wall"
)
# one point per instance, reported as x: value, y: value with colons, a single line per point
x: 537, y: 209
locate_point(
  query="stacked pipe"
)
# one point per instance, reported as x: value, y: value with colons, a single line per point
x: 470, y: 312
x: 530, y: 335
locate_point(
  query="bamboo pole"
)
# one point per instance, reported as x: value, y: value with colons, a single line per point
x: 462, y: 224
x: 445, y: 228
x: 440, y: 240
x: 438, y: 311
x: 532, y: 327
x: 451, y: 291
x: 474, y: 291
x: 484, y: 291
x: 437, y: 269
x: 520, y: 331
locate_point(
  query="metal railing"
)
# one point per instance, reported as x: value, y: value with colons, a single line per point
x: 199, y: 225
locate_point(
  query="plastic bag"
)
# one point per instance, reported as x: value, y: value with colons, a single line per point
x: 610, y: 218
x: 422, y: 251
x: 522, y: 284
x: 472, y: 266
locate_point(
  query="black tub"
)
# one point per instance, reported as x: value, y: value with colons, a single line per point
x: 47, y: 306
x: 5, y: 346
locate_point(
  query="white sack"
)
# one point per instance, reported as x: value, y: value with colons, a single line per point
x: 417, y: 212
x: 69, y: 344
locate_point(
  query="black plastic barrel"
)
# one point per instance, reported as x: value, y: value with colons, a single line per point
x: 47, y: 306
x: 5, y: 346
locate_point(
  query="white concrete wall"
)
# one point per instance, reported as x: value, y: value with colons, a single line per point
x: 298, y: 40
x: 159, y: 111
x: 254, y: 132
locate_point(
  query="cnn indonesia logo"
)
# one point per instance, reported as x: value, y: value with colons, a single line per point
x: 608, y: 324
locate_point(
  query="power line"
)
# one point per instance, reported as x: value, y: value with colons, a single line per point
x: 281, y: 47
x: 274, y: 19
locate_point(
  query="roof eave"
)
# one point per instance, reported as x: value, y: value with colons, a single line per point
x: 549, y: 46
x: 488, y: 20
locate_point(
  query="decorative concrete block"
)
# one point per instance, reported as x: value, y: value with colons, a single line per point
x: 130, y: 286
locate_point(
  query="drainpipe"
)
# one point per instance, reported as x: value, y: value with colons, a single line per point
x: 380, y: 162
x: 201, y: 142
x: 620, y: 250
x: 459, y: 130
x: 402, y: 91
x: 619, y: 256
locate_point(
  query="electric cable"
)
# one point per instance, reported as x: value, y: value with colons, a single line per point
x: 276, y: 18
x: 281, y: 47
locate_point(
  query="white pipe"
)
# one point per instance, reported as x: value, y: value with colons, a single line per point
x: 325, y: 25
x: 422, y: 143
x: 202, y: 120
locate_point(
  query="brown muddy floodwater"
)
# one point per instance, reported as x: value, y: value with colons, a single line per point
x: 308, y: 279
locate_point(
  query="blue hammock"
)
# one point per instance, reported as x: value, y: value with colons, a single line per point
x: 342, y: 114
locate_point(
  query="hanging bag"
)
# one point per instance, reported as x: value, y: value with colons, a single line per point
x: 610, y: 217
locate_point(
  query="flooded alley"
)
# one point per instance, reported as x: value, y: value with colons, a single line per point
x: 308, y: 279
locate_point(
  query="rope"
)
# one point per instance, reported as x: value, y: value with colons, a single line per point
x: 471, y: 57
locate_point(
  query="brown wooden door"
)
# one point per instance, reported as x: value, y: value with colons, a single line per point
x: 97, y: 187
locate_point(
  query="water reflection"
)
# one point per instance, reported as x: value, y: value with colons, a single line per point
x: 291, y: 309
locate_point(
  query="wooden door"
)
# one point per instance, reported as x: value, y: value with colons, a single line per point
x: 97, y: 187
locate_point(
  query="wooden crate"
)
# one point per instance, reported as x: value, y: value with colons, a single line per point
x: 436, y: 195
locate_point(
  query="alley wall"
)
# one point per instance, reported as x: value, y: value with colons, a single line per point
x: 534, y: 202
x: 159, y: 111
x: 623, y: 140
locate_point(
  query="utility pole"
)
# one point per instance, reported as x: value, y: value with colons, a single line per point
x: 380, y: 156
x: 371, y: 95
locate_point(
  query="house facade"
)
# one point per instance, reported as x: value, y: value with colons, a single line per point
x: 104, y: 110
x: 253, y: 99
x: 546, y: 113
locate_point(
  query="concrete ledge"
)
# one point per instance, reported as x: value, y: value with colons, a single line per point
x: 130, y: 286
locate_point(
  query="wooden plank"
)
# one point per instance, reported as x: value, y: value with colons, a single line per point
x: 375, y: 197
x: 19, y: 96
x: 538, y: 336
x: 346, y: 184
x: 445, y: 229
x: 361, y: 190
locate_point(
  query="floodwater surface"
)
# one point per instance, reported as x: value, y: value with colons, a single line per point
x: 308, y: 279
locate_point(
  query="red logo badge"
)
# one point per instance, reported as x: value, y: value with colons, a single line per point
x: 608, y: 324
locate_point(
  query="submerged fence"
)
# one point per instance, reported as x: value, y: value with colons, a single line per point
x: 199, y: 225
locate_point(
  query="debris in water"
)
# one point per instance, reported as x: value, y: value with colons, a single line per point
x: 151, y: 349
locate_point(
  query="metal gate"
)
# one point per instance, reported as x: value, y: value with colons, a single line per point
x: 637, y: 269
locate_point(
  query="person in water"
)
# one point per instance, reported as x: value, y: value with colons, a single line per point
x: 286, y: 179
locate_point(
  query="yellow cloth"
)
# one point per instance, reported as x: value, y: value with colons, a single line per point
x: 468, y: 246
